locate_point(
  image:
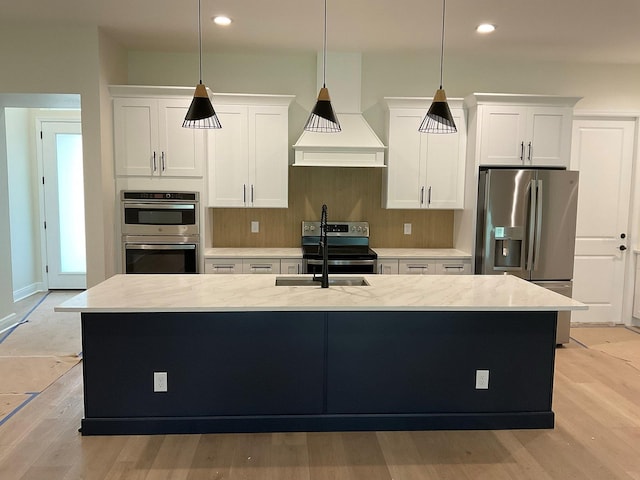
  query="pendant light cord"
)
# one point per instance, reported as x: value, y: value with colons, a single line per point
x: 200, y: 39
x: 324, y: 48
x: 442, y: 42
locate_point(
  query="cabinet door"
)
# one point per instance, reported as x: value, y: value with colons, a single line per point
x: 228, y: 171
x: 136, y: 136
x: 291, y: 266
x: 405, y: 160
x: 416, y: 267
x: 445, y: 166
x: 388, y: 267
x: 261, y: 265
x: 549, y: 136
x: 223, y: 265
x: 503, y: 135
x: 268, y: 157
x: 181, y: 149
x: 453, y: 267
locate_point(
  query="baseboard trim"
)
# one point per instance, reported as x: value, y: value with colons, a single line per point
x: 7, y: 322
x: 27, y: 291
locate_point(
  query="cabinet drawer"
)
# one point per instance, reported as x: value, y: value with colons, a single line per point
x: 223, y: 265
x: 453, y: 268
x: 261, y: 265
x: 416, y: 267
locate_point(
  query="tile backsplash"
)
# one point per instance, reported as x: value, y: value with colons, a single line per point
x: 351, y: 194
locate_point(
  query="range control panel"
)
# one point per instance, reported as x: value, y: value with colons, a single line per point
x: 336, y: 229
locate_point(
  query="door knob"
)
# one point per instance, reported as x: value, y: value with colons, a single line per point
x: 622, y: 248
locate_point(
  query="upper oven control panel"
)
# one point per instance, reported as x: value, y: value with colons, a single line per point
x: 336, y: 229
x: 159, y: 196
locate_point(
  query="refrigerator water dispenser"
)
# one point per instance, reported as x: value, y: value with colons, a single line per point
x: 507, y: 253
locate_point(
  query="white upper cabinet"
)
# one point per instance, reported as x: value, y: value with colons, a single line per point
x: 423, y: 170
x: 522, y: 130
x: 248, y: 159
x: 149, y: 137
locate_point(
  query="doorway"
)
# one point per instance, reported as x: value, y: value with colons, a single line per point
x: 60, y: 157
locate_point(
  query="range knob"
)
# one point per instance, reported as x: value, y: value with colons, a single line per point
x: 312, y: 228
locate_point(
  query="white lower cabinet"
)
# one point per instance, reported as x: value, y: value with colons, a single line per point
x: 261, y: 265
x: 423, y: 266
x: 291, y: 266
x: 223, y: 265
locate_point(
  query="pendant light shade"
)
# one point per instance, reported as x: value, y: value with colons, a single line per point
x: 439, y: 119
x: 322, y: 118
x: 201, y: 113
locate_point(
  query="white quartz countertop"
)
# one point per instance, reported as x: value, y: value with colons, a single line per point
x: 253, y: 252
x: 236, y: 293
x: 439, y: 253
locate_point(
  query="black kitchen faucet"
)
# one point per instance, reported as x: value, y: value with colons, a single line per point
x: 325, y: 249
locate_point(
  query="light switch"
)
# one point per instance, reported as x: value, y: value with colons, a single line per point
x: 407, y: 229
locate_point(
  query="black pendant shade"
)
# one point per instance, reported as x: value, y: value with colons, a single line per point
x: 201, y: 113
x: 323, y: 119
x: 438, y: 119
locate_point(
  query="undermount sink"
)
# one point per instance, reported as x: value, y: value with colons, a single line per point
x: 310, y: 282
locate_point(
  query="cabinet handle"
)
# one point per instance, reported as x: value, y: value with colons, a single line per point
x: 244, y: 193
x: 155, y: 166
x: 422, y: 196
x: 453, y: 267
x: 261, y: 266
x: 251, y: 194
x: 421, y: 267
x: 529, y: 157
x: 522, y: 152
x: 429, y: 197
x: 162, y: 161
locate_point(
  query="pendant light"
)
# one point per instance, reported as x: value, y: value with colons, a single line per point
x: 201, y: 113
x: 439, y: 119
x: 322, y: 118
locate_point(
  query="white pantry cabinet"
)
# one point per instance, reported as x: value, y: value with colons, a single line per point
x: 423, y: 170
x: 521, y: 130
x: 248, y: 159
x: 149, y: 137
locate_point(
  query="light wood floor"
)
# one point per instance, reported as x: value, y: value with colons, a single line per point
x: 597, y: 436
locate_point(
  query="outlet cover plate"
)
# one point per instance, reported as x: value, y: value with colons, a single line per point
x: 160, y: 382
x: 482, y: 379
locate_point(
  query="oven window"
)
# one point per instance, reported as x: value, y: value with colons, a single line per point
x: 161, y: 259
x: 151, y: 216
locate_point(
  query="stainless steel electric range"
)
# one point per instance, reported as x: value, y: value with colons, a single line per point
x: 349, y: 250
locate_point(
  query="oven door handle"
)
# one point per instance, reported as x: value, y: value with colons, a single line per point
x: 147, y: 246
x: 342, y: 262
x: 161, y: 206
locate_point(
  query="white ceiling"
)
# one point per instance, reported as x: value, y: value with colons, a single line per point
x: 557, y: 30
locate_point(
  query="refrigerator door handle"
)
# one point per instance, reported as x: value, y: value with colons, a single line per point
x: 532, y: 225
x: 538, y: 237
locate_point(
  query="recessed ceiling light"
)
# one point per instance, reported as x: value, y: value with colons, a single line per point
x: 222, y: 20
x: 485, y: 28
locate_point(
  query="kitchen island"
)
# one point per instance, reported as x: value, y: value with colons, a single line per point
x: 236, y: 353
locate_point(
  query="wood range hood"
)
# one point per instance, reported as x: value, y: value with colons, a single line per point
x: 357, y: 145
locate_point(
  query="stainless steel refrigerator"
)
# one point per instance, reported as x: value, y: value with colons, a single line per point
x: 526, y: 226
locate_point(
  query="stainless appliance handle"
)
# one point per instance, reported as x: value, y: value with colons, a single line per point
x: 342, y: 262
x: 538, y: 237
x: 130, y: 246
x: 161, y: 206
x: 532, y: 225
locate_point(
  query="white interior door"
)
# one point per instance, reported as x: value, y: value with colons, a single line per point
x: 64, y: 205
x: 602, y: 151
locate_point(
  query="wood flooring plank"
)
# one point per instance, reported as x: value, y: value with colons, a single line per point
x: 213, y: 457
x: 403, y: 458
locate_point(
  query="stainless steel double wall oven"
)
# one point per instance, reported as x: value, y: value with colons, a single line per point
x: 160, y: 232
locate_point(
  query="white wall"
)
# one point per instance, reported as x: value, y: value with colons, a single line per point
x: 23, y: 202
x: 63, y: 61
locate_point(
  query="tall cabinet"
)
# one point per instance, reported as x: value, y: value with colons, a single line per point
x: 423, y: 170
x: 248, y: 158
